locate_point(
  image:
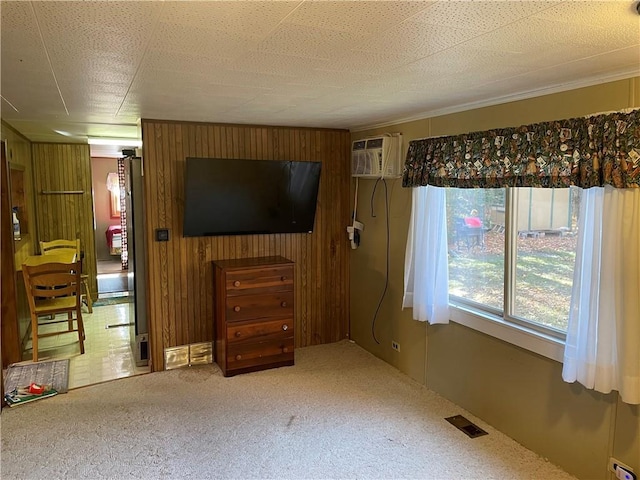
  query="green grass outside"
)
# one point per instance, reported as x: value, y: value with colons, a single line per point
x: 544, y: 276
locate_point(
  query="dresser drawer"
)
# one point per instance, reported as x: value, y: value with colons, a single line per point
x: 250, y: 354
x: 246, y: 307
x: 254, y: 316
x: 256, y: 331
x: 277, y: 278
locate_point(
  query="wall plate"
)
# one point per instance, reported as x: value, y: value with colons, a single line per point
x: 162, y: 234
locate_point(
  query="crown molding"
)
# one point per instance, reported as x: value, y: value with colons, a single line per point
x: 503, y: 99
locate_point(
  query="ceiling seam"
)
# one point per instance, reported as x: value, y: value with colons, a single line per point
x: 144, y: 54
x: 270, y: 32
x: 46, y: 52
x: 10, y: 104
x: 471, y: 39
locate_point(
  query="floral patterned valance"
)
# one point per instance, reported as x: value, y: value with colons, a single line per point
x: 585, y: 152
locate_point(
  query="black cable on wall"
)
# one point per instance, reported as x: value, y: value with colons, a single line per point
x: 386, y: 276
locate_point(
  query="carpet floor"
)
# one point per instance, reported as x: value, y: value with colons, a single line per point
x: 338, y: 413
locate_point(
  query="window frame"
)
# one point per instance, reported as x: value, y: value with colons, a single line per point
x: 504, y: 325
x: 526, y: 338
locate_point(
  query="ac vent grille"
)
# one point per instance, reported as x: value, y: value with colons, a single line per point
x: 377, y: 157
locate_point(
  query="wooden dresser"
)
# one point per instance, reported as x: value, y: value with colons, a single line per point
x: 253, y: 308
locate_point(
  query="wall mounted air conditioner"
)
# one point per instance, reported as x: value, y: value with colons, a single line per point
x: 377, y: 157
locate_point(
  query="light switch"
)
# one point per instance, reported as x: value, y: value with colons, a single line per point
x: 162, y: 234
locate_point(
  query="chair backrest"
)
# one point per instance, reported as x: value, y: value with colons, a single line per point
x: 58, y: 246
x: 52, y: 280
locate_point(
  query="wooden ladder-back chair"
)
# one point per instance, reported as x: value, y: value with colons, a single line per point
x: 54, y: 288
x: 57, y: 246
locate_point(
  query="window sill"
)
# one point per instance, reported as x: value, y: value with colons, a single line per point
x: 496, y: 327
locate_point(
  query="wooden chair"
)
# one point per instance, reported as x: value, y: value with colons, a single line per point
x: 54, y: 288
x: 56, y: 246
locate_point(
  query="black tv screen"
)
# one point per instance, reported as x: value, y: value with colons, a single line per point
x: 241, y: 197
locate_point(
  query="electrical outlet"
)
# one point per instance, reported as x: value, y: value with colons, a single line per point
x: 395, y: 345
x: 613, y: 462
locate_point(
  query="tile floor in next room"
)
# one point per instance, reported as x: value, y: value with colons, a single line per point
x: 108, y: 352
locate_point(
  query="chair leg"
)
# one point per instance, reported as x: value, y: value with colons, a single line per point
x: 87, y: 295
x: 70, y: 320
x: 34, y: 336
x: 80, y: 331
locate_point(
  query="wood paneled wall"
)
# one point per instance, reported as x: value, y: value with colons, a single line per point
x: 180, y: 274
x: 18, y: 154
x: 65, y: 168
x: 18, y: 151
x: 9, y: 320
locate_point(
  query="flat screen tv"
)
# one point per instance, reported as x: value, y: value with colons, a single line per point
x: 242, y: 197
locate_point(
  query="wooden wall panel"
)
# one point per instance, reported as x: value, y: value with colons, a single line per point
x: 18, y: 155
x: 180, y: 275
x: 18, y: 151
x: 64, y: 168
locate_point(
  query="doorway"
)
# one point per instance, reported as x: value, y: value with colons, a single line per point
x: 110, y: 328
x: 117, y: 187
x: 112, y: 279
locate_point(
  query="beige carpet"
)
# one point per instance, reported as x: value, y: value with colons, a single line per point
x: 338, y: 413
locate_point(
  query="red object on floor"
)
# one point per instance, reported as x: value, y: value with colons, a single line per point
x: 36, y: 389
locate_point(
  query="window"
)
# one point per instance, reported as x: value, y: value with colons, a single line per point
x: 512, y: 253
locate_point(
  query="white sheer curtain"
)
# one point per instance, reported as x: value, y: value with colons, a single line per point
x: 602, y: 350
x: 426, y: 272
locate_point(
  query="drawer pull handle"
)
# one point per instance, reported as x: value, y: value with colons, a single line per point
x: 285, y: 327
x: 285, y: 349
x: 236, y: 283
x: 283, y: 278
x: 236, y: 308
x: 238, y: 334
x: 238, y: 357
x: 283, y: 304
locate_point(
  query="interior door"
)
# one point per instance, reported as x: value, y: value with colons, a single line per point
x: 136, y: 258
x: 10, y: 344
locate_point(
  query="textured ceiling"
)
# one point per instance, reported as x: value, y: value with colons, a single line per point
x: 94, y: 68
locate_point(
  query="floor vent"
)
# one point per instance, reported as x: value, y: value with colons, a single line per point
x: 466, y: 426
x: 184, y: 355
x: 200, y: 353
x: 176, y: 357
